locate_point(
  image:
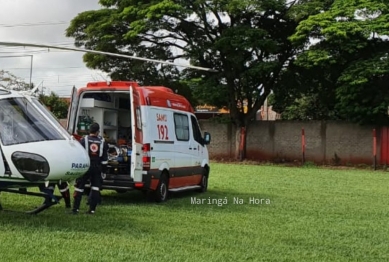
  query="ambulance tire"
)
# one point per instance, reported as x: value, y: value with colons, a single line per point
x: 204, y: 182
x: 161, y: 193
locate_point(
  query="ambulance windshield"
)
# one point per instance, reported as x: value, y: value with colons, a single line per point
x: 21, y: 122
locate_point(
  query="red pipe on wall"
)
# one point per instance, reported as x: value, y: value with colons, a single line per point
x: 387, y: 147
x: 303, y: 144
x: 374, y: 143
x: 374, y: 149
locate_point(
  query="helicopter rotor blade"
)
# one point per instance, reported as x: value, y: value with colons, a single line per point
x: 104, y: 53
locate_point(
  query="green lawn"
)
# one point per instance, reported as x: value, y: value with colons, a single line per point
x: 314, y: 214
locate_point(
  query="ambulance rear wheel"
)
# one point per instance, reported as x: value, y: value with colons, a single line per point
x: 161, y: 193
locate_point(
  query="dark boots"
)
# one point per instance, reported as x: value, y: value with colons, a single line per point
x: 63, y: 189
x: 49, y: 191
x: 66, y: 198
x: 65, y: 192
x: 77, y: 201
x: 94, y: 200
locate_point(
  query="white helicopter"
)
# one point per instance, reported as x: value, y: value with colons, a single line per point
x: 34, y: 148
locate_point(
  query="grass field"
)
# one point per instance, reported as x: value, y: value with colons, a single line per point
x: 301, y: 214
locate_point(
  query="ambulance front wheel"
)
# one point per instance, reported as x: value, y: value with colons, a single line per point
x: 204, y: 181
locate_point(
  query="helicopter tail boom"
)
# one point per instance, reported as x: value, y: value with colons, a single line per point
x: 105, y: 53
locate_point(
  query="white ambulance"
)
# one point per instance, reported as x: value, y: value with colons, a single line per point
x: 155, y: 142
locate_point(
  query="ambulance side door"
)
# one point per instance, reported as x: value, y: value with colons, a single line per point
x: 183, y: 156
x: 72, y: 112
x: 196, y: 149
x: 137, y: 136
x: 162, y: 136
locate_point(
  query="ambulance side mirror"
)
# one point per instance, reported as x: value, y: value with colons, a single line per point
x: 207, y: 138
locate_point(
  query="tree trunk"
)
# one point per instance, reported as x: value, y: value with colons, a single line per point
x: 245, y: 120
x: 242, y: 143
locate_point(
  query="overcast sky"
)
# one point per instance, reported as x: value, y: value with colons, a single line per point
x: 59, y: 70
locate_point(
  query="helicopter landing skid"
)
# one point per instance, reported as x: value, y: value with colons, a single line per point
x: 36, y: 210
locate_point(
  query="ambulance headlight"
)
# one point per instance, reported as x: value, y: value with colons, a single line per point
x: 33, y: 167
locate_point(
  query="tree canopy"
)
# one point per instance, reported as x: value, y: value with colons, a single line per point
x: 246, y: 41
x: 322, y: 59
x: 346, y: 69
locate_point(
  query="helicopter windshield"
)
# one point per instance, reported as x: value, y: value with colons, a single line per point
x: 21, y: 122
x: 50, y: 115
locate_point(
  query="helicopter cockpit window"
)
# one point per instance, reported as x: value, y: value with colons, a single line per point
x: 50, y: 115
x: 21, y: 122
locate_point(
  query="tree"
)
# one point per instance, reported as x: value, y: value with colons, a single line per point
x: 307, y: 93
x: 12, y: 82
x: 55, y: 104
x: 350, y: 57
x: 246, y: 41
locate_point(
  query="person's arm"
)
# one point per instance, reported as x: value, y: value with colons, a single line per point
x: 104, y: 157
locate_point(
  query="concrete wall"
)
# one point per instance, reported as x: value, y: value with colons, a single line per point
x: 281, y: 141
x: 223, y: 139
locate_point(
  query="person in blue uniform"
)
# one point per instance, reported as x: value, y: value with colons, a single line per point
x: 97, y: 149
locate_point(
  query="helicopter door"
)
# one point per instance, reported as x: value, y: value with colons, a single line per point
x: 72, y: 112
x: 136, y: 121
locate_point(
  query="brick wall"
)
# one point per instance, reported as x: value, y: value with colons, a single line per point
x: 281, y: 140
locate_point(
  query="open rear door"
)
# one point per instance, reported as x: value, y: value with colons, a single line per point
x: 72, y: 112
x: 137, y: 138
